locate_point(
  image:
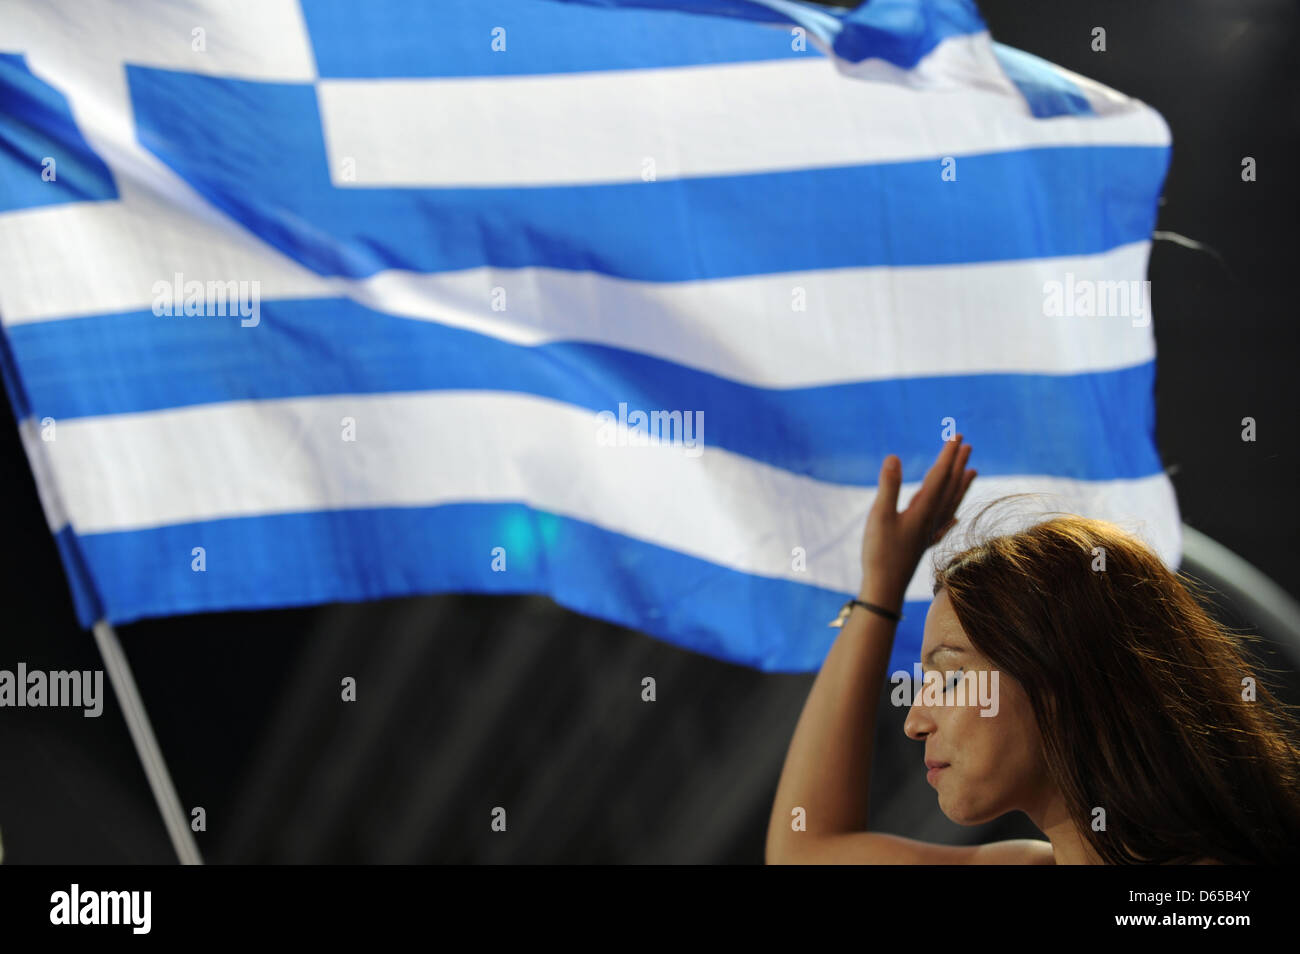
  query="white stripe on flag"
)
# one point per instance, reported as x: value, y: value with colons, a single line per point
x: 101, y: 258
x: 207, y: 462
x: 731, y: 118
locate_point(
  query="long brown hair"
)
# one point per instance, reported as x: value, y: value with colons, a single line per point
x: 1139, y: 694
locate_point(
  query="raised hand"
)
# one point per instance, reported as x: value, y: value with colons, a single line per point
x: 893, y: 542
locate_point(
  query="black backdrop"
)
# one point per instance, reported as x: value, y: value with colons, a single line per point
x: 469, y: 702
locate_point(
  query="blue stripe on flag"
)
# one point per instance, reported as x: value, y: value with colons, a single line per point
x: 348, y: 555
x: 415, y: 38
x: 86, y: 602
x: 1090, y: 426
x: 901, y: 32
x: 36, y: 126
x: 13, y: 378
x: 1033, y: 203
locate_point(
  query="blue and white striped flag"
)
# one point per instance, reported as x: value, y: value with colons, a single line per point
x: 328, y: 301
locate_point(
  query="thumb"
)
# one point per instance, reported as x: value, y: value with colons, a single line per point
x: 891, y: 479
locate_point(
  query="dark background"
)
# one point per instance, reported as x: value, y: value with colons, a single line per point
x: 469, y: 702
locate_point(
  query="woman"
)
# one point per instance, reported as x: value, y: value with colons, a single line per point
x: 1126, y: 724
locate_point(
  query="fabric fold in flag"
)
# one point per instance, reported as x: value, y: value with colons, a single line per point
x: 622, y: 303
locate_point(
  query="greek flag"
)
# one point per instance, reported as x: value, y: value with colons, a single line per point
x: 622, y: 303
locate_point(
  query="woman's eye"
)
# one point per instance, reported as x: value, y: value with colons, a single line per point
x: 953, y: 679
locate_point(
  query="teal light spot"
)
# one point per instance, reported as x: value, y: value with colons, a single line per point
x: 529, y: 534
x: 517, y: 533
x: 548, y: 527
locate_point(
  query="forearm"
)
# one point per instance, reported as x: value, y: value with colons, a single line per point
x: 827, y: 768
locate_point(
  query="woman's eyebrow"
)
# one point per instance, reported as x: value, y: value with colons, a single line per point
x: 929, y: 658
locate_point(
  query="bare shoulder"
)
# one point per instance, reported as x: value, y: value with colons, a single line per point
x: 1017, y: 851
x: 879, y: 848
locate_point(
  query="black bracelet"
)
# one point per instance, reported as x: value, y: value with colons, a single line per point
x: 839, y: 621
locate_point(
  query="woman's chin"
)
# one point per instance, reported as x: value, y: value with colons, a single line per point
x: 963, y: 814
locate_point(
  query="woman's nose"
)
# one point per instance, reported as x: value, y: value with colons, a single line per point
x: 918, y: 723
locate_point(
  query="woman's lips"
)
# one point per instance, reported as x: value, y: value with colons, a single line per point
x: 931, y: 775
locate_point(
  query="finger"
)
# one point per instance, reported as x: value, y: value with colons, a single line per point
x: 965, y: 485
x: 956, y: 485
x: 951, y: 513
x: 959, y: 464
x: 891, y: 479
x: 934, y: 485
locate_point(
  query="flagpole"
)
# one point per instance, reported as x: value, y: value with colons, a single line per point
x: 146, y: 746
